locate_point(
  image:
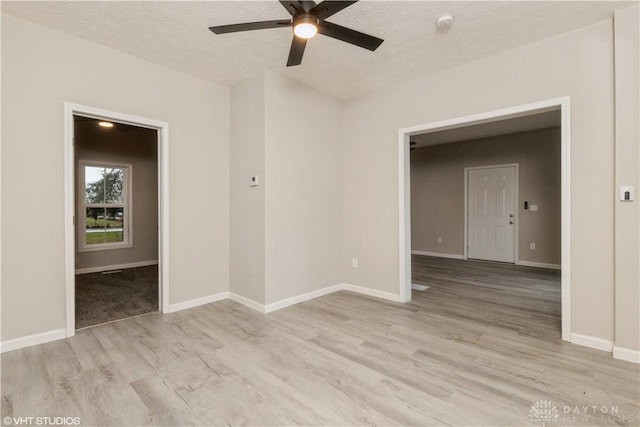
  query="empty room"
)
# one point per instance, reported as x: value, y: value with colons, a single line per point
x: 279, y: 213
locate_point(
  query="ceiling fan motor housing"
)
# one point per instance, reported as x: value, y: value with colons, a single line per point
x: 305, y: 18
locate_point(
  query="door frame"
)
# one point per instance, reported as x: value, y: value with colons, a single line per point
x: 516, y: 167
x: 162, y: 128
x: 404, y: 190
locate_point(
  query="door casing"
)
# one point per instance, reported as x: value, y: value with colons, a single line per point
x: 562, y: 104
x: 162, y: 128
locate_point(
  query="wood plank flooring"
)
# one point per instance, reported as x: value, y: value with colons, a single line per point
x: 478, y: 348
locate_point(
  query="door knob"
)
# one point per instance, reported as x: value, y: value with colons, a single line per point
x: 510, y: 215
x: 511, y: 222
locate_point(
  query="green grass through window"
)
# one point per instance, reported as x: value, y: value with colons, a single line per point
x: 105, y: 237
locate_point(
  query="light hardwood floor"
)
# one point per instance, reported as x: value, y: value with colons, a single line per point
x: 478, y: 348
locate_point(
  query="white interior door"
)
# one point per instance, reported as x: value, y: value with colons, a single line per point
x: 492, y: 214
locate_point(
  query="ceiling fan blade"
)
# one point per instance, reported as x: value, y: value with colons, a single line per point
x: 296, y: 7
x: 297, y: 50
x: 328, y: 8
x: 348, y: 35
x: 260, y: 25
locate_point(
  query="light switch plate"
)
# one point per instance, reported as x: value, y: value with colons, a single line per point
x: 254, y: 181
x: 627, y: 193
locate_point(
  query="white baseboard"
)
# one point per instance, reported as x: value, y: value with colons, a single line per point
x: 197, y: 301
x: 539, y: 265
x: 247, y: 302
x: 301, y: 298
x: 626, y: 354
x: 371, y: 292
x: 437, y: 254
x: 115, y: 267
x: 269, y: 308
x: 29, y: 340
x: 592, y: 342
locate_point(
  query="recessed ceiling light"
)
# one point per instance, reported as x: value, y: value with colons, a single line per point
x: 444, y: 22
x: 105, y: 124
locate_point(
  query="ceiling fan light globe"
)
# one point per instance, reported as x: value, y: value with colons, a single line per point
x: 305, y: 30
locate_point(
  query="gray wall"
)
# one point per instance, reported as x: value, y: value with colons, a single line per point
x: 437, y: 191
x: 286, y: 232
x: 247, y: 256
x: 627, y: 165
x: 303, y: 189
x: 126, y: 145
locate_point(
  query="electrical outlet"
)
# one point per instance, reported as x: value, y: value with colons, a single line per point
x: 532, y: 246
x: 354, y: 262
x: 439, y: 239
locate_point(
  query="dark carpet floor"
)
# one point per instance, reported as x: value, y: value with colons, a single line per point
x: 102, y: 297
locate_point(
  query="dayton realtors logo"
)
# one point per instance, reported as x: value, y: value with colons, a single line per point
x: 543, y: 411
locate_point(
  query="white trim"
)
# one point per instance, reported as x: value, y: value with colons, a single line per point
x: 539, y: 265
x: 71, y: 109
x: 29, y: 340
x: 372, y: 292
x: 127, y: 207
x: 591, y: 342
x: 437, y: 254
x: 627, y: 354
x: 198, y: 301
x: 247, y: 302
x: 565, y: 213
x: 404, y: 194
x: 301, y: 298
x: 404, y: 215
x: 274, y: 306
x: 516, y: 196
x: 102, y: 268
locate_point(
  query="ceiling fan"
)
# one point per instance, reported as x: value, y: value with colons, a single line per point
x: 307, y: 19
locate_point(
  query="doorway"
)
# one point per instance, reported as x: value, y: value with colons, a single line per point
x: 491, y: 210
x: 560, y: 105
x: 100, y: 214
x: 116, y: 258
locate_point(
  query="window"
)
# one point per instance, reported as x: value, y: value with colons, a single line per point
x: 104, y: 206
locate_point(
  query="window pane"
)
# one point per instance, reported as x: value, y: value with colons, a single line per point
x: 95, y: 226
x: 94, y: 184
x: 114, y: 225
x: 113, y: 185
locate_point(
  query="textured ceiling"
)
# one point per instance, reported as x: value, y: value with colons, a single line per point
x: 489, y: 129
x: 175, y: 34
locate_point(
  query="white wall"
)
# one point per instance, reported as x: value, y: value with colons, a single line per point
x: 578, y: 64
x: 303, y: 189
x: 41, y: 69
x: 248, y: 203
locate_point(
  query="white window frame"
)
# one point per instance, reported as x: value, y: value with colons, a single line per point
x: 127, y: 205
